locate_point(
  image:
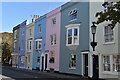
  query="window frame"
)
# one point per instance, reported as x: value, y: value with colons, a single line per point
x: 71, y: 61
x: 54, y: 41
x: 15, y: 34
x: 52, y: 57
x: 73, y: 28
x: 40, y: 28
x: 29, y: 45
x: 106, y: 63
x: 38, y: 41
x: 30, y: 32
x: 73, y: 14
x: 109, y: 35
x: 38, y: 60
x: 111, y: 65
x: 54, y: 20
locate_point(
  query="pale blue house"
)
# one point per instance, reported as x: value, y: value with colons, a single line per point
x: 39, y: 41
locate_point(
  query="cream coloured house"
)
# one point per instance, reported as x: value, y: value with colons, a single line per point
x: 29, y: 45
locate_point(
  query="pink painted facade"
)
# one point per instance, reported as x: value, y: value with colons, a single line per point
x: 53, y: 29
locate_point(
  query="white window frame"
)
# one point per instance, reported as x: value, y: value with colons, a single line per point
x: 70, y: 62
x: 29, y: 59
x: 15, y: 43
x: 106, y: 63
x: 38, y: 60
x: 70, y: 15
x: 39, y: 41
x: 53, y: 21
x: 40, y: 28
x: 53, y: 43
x: 15, y: 34
x: 28, y: 45
x: 72, y: 26
x: 111, y: 66
x: 52, y: 55
x: 109, y: 42
x: 30, y: 31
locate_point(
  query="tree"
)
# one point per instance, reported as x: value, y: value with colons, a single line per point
x: 6, y: 53
x: 111, y: 13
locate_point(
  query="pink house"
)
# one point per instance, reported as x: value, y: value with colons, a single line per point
x: 53, y: 39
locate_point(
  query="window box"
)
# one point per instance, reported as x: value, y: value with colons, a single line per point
x: 51, y: 60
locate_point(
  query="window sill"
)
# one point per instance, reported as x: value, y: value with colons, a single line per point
x: 73, y: 20
x: 53, y: 45
x: 72, y: 68
x: 110, y: 73
x: 72, y: 45
x: 105, y: 43
x: 38, y: 49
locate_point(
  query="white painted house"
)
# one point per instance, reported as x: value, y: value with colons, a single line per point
x: 107, y: 51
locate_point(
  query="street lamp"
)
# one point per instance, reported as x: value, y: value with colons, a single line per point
x: 93, y: 30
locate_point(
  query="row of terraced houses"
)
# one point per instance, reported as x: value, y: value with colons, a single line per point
x: 59, y: 41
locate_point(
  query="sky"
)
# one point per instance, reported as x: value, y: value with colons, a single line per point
x: 14, y: 13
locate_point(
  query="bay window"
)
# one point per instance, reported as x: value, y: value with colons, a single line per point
x: 73, y: 36
x: 39, y: 44
x: 111, y: 63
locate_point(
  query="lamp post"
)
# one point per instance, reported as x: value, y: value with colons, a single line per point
x: 95, y: 57
x: 93, y: 30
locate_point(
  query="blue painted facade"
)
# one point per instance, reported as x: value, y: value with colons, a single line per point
x: 65, y: 51
x: 39, y: 35
x: 22, y: 44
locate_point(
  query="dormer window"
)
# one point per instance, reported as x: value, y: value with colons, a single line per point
x: 73, y: 14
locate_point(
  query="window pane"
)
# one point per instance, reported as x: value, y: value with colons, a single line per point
x: 38, y: 60
x: 116, y: 63
x: 106, y: 63
x: 36, y: 44
x: 54, y: 39
x: 69, y: 32
x: 70, y: 40
x: 106, y: 67
x: 75, y: 32
x: 109, y: 36
x: 40, y: 45
x: 75, y: 40
x: 51, y: 39
x: 72, y: 61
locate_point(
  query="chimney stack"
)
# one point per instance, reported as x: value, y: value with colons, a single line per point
x: 35, y: 17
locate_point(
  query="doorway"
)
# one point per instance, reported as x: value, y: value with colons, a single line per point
x: 42, y: 63
x: 85, y: 57
x: 45, y: 61
x: 95, y: 66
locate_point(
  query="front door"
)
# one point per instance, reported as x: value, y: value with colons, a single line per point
x: 42, y: 63
x: 95, y: 66
x: 45, y: 61
x: 85, y: 64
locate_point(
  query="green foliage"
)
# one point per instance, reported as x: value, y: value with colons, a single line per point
x: 111, y: 13
x: 6, y: 53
